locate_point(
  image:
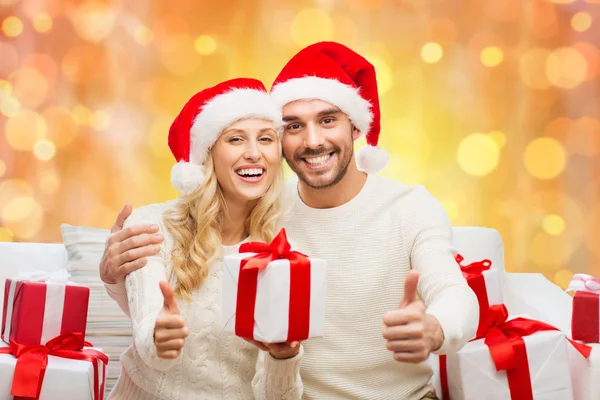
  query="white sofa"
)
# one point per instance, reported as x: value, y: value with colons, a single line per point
x: 530, y: 294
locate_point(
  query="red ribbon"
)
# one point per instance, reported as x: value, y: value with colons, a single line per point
x: 473, y: 273
x: 32, y: 361
x: 507, y: 349
x: 299, y: 310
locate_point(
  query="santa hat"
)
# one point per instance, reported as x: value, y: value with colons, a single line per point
x: 203, y: 119
x: 333, y: 73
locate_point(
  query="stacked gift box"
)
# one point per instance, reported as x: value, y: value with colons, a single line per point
x: 44, y: 354
x: 526, y: 353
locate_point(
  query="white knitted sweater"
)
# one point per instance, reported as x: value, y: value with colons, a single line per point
x: 370, y: 243
x: 213, y: 364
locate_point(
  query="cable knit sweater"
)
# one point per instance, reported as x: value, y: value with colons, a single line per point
x: 370, y: 243
x: 212, y: 364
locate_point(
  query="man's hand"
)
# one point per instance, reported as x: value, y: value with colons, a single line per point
x: 126, y: 249
x: 411, y: 334
x: 278, y: 350
x: 169, y: 330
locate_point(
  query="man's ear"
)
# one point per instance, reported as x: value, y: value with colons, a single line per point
x: 355, y: 133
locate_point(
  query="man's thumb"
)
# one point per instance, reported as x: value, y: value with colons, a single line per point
x: 410, y: 288
x: 170, y: 305
x: 122, y: 217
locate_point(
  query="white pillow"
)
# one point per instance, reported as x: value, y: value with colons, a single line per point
x: 107, y: 327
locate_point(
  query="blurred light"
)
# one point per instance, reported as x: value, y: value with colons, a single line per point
x: 18, y: 208
x: 592, y: 57
x: 143, y: 36
x: 85, y: 63
x: 44, y: 150
x: 62, y: 128
x: 11, y: 188
x: 5, y: 88
x: 2, y: 168
x: 30, y: 213
x: 42, y: 22
x: 584, y: 137
x: 451, y: 208
x: 159, y: 132
x: 491, y: 56
x: 562, y: 278
x: 12, y: 26
x: 205, y: 45
x: 581, y: 21
x: 553, y: 224
x: 566, y: 68
x: 178, y: 54
x: 311, y: 26
x: 432, y: 52
x: 384, y: 74
x: 100, y: 120
x: 549, y: 251
x: 94, y: 20
x: 345, y: 30
x: 9, y: 106
x: 544, y: 158
x: 24, y: 130
x: 499, y: 138
x: 43, y: 64
x: 10, y: 58
x: 82, y: 114
x: 5, y: 235
x: 8, y: 2
x: 30, y: 87
x: 49, y: 182
x: 478, y: 154
x: 530, y: 65
x: 443, y: 31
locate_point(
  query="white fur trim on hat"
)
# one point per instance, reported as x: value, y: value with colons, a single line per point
x: 224, y: 110
x: 186, y: 177
x: 345, y: 97
x: 371, y: 159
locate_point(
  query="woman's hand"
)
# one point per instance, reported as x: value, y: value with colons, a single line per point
x: 278, y: 350
x: 170, y: 330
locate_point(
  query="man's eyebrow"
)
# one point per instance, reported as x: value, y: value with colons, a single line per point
x: 329, y: 111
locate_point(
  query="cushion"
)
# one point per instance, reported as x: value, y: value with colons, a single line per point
x: 107, y: 327
x: 26, y: 257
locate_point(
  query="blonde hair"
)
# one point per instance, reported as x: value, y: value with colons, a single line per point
x: 195, y: 224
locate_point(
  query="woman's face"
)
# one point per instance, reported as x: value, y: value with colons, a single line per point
x: 246, y: 158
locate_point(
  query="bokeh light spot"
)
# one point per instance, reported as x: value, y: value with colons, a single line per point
x: 310, y: 26
x: 544, y: 158
x: 478, y: 154
x: 24, y: 130
x: 491, y: 56
x: 12, y: 26
x: 44, y: 150
x: 553, y: 224
x: 205, y: 45
x: 42, y: 22
x: 432, y: 52
x: 566, y: 68
x: 581, y: 21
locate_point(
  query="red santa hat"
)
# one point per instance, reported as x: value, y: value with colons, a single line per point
x: 333, y: 73
x: 203, y: 119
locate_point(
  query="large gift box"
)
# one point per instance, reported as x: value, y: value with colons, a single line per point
x: 59, y: 370
x: 486, y: 282
x: 585, y: 318
x: 39, y: 306
x: 272, y: 294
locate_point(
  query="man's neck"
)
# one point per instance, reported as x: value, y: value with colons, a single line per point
x: 334, y: 196
x: 233, y: 225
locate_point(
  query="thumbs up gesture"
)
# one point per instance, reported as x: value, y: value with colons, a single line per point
x: 410, y: 333
x: 169, y: 330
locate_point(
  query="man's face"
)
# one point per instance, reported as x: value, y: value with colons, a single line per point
x: 318, y: 142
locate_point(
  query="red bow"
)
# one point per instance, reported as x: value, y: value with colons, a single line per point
x: 473, y: 273
x: 32, y: 361
x: 473, y: 269
x: 299, y: 310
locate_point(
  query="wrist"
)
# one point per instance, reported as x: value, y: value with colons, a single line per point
x: 436, y: 332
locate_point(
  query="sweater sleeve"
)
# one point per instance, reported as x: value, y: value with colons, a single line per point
x: 145, y: 298
x: 118, y: 293
x: 442, y: 287
x: 278, y: 379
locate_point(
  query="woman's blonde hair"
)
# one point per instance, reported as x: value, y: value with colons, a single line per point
x: 195, y: 224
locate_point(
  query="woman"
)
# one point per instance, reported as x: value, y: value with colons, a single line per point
x: 229, y: 173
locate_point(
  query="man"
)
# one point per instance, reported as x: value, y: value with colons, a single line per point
x: 385, y: 242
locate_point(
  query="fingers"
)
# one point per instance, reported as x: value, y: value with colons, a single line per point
x: 169, y: 321
x: 413, y: 358
x: 406, y: 346
x: 260, y: 345
x: 414, y: 312
x: 123, y: 215
x: 169, y: 335
x: 170, y: 349
x: 133, y: 232
x: 169, y: 305
x: 410, y: 288
x: 163, y: 335
x: 127, y: 255
x: 126, y: 268
x: 404, y: 332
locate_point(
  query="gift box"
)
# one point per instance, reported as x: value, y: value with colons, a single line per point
x: 520, y: 359
x: 486, y: 282
x: 69, y: 374
x: 272, y: 294
x: 39, y: 306
x: 585, y: 318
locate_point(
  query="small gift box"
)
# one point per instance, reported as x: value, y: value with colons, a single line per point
x: 486, y: 282
x: 39, y: 306
x: 520, y: 359
x: 585, y: 319
x: 61, y: 369
x: 272, y: 294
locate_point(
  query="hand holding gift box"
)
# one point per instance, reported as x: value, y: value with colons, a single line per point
x: 487, y: 285
x: 272, y: 294
x: 520, y: 359
x: 39, y: 306
x: 585, y: 319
